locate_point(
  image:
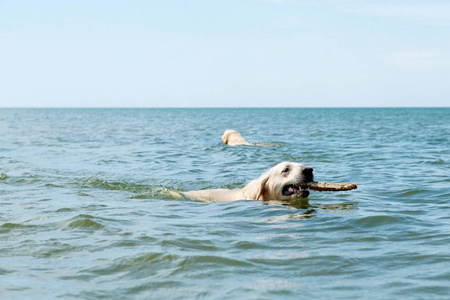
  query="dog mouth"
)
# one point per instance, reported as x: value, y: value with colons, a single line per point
x: 295, y: 191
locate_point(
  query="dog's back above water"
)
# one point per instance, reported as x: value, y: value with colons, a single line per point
x: 282, y: 182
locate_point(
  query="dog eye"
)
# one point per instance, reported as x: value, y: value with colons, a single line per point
x: 286, y: 170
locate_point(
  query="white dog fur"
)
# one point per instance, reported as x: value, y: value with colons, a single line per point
x: 279, y: 183
x: 233, y: 138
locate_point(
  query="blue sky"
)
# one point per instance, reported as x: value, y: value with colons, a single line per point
x: 224, y: 53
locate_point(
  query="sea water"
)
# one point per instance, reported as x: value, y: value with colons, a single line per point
x: 87, y: 212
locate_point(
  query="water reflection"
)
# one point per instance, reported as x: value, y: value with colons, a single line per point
x: 309, y: 210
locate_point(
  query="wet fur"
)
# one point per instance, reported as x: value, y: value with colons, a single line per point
x: 269, y: 186
x: 233, y: 138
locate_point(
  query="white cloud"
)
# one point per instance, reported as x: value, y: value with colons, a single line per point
x: 432, y: 13
x: 419, y: 59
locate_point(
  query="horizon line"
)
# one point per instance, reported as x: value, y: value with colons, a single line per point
x: 209, y: 107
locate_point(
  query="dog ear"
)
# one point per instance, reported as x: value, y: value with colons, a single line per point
x: 256, y: 189
x: 225, y: 137
x: 262, y: 188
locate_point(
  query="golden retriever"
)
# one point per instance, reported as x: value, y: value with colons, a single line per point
x: 233, y: 138
x: 282, y: 182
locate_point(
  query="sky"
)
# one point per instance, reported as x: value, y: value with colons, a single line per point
x: 224, y: 53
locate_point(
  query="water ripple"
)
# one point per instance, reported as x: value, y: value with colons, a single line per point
x: 88, y: 210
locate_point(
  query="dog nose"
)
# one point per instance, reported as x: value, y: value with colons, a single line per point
x: 308, y: 172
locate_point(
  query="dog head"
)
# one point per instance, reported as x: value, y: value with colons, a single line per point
x: 284, y: 181
x: 232, y: 137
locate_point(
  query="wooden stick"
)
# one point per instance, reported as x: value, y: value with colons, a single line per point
x: 330, y: 186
